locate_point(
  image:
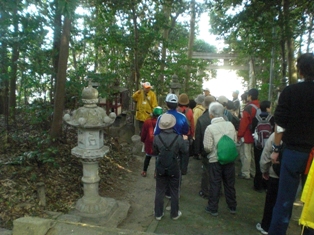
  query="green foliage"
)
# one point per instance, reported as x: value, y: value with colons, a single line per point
x: 43, y: 152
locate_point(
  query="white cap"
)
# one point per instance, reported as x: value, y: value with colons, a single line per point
x: 172, y: 98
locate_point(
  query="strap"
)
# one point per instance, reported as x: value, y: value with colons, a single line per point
x: 309, y: 162
x: 260, y: 119
x: 254, y: 106
x: 168, y: 147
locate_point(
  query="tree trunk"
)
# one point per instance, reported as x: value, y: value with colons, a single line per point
x: 15, y: 57
x: 56, y: 126
x: 55, y: 49
x: 135, y: 69
x: 310, y: 29
x: 191, y: 43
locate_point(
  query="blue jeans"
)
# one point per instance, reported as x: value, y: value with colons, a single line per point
x: 292, y: 167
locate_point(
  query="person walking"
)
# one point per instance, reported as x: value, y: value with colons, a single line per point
x: 201, y: 125
x: 147, y: 137
x: 219, y: 173
x: 146, y: 101
x: 294, y: 125
x: 267, y: 120
x: 245, y: 132
x: 167, y: 179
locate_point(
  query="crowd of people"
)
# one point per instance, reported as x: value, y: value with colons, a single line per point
x: 273, y: 149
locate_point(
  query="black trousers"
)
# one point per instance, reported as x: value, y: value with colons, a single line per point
x: 164, y: 183
x: 221, y: 173
x: 205, y: 176
x: 270, y: 201
x: 259, y: 182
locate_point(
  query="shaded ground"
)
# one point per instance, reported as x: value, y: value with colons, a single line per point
x: 194, y: 219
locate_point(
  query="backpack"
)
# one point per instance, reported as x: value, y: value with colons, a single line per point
x: 262, y: 131
x: 167, y: 163
x: 226, y: 150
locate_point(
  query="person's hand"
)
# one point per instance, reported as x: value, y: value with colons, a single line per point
x: 274, y: 158
x: 266, y: 176
x: 185, y: 137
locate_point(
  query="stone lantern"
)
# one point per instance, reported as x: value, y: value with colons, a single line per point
x: 175, y: 85
x: 90, y: 120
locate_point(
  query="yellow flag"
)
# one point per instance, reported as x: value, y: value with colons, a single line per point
x: 307, y: 216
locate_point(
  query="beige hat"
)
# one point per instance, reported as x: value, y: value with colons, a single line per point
x: 222, y: 99
x: 200, y: 99
x: 166, y: 121
x: 208, y: 100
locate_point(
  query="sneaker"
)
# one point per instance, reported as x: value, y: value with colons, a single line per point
x: 168, y: 208
x: 232, y: 210
x: 213, y: 213
x: 179, y: 215
x: 167, y: 196
x: 240, y: 176
x: 159, y: 218
x: 259, y: 228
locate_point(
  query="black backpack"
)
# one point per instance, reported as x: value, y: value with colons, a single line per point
x: 167, y: 163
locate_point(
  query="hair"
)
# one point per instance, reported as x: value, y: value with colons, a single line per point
x: 172, y: 105
x: 305, y: 66
x: 264, y: 105
x: 192, y: 104
x: 244, y: 96
x: 253, y: 93
x: 216, y: 109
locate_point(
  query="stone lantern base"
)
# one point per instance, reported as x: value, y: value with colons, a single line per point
x: 111, y: 212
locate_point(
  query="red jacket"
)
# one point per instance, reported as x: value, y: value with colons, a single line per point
x: 147, y: 134
x: 246, y: 122
x: 189, y: 116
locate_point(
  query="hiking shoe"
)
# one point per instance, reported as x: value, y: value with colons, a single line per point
x: 232, y: 210
x: 213, y: 213
x: 203, y: 195
x: 179, y: 215
x: 143, y: 173
x: 159, y: 218
x: 259, y: 228
x: 168, y: 208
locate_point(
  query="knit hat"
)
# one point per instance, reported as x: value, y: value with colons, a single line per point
x: 172, y: 98
x: 208, y: 100
x: 157, y: 111
x: 200, y: 99
x: 184, y: 99
x: 166, y: 121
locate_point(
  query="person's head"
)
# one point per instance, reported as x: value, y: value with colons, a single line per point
x: 252, y: 94
x: 157, y: 111
x: 265, y: 106
x: 166, y: 121
x: 223, y: 100
x: 208, y: 100
x: 146, y: 86
x: 183, y: 100
x: 206, y: 91
x: 305, y: 66
x: 192, y: 104
x: 172, y: 101
x: 199, y: 99
x: 215, y: 110
x: 235, y: 94
x: 244, y: 97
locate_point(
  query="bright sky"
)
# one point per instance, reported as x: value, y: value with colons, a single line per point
x: 227, y: 80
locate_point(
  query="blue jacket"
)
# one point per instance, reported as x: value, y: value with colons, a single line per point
x: 181, y: 127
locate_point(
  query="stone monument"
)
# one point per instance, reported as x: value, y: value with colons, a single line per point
x: 90, y: 120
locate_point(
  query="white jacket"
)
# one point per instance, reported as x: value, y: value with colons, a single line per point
x: 213, y: 133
